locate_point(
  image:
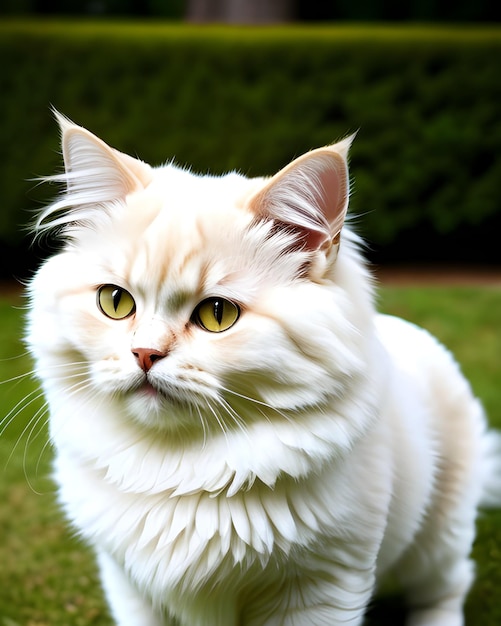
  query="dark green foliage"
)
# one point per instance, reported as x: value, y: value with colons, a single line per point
x: 425, y: 102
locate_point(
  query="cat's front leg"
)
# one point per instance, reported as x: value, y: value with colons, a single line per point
x: 319, y: 599
x: 127, y: 606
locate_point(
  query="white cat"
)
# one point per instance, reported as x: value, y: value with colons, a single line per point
x: 238, y: 434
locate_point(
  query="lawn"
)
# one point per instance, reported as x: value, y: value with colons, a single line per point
x: 47, y: 578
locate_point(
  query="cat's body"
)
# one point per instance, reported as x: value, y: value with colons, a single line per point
x: 238, y: 434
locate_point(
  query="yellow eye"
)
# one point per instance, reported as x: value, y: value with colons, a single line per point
x: 115, y: 302
x: 216, y: 314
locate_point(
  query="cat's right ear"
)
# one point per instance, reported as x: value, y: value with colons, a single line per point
x: 95, y: 171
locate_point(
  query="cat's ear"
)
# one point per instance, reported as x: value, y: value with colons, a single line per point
x: 96, y: 171
x: 309, y: 196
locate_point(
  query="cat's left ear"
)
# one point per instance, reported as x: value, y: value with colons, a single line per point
x: 310, y: 196
x: 96, y: 170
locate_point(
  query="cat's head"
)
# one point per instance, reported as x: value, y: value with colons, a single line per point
x: 196, y: 303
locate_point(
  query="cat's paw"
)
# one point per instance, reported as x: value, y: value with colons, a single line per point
x: 435, y: 617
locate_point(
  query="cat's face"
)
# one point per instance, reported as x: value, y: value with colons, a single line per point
x: 186, y: 305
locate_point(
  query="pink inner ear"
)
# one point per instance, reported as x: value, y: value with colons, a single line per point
x: 310, y: 195
x: 313, y: 239
x: 332, y: 197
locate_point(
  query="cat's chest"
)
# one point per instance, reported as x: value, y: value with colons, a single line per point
x: 168, y: 537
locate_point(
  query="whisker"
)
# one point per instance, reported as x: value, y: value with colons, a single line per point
x: 27, y: 426
x: 32, y: 373
x: 35, y: 426
x: 46, y: 445
x: 236, y: 418
x: 35, y: 421
x: 219, y: 420
x: 16, y: 357
x: 256, y: 402
x: 19, y: 377
x: 203, y: 421
x: 6, y: 421
x: 26, y: 401
x: 71, y: 391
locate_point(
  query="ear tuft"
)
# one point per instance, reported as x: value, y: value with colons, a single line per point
x: 95, y: 174
x: 310, y: 195
x: 93, y: 166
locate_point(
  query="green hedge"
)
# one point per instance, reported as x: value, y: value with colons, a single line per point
x: 425, y: 102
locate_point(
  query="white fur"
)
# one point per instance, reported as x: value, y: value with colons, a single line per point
x: 300, y: 455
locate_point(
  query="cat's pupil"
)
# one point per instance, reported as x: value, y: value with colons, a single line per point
x: 218, y: 310
x: 116, y: 296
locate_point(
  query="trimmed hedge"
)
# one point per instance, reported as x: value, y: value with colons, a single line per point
x: 425, y: 102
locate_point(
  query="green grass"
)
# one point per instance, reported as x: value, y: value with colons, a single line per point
x: 162, y: 29
x: 47, y: 578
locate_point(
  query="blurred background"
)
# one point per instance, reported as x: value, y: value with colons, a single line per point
x: 265, y: 11
x: 249, y: 85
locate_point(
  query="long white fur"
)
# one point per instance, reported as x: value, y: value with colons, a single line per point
x: 301, y: 454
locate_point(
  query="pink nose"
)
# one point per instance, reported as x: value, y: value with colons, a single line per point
x: 146, y: 357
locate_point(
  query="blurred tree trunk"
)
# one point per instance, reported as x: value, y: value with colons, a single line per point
x: 240, y: 11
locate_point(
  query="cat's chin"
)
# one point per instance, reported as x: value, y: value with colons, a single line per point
x: 149, y: 391
x: 158, y: 409
x: 152, y: 397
